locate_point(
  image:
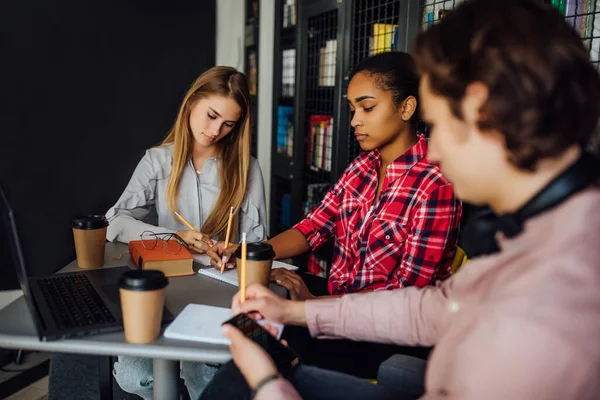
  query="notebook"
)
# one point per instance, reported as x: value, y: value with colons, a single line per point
x: 229, y: 276
x: 201, y: 323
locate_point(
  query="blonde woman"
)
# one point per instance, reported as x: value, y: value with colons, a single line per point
x: 201, y: 169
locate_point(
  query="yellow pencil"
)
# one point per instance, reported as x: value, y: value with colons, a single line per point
x: 243, y: 270
x: 227, y: 237
x: 186, y: 223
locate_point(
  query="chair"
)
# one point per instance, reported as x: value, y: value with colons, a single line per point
x: 460, y: 259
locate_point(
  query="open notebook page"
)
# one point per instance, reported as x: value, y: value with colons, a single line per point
x: 229, y: 276
x: 202, y: 323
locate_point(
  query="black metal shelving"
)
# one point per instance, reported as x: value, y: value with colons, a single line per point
x: 284, y: 103
x: 251, y: 61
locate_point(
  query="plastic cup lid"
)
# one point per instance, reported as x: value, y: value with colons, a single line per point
x: 143, y: 280
x: 257, y: 252
x: 90, y: 222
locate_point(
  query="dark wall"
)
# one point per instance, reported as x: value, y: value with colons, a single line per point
x: 85, y: 88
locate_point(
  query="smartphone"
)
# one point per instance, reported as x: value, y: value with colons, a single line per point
x: 284, y: 357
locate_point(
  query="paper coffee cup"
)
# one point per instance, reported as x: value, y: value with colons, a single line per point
x: 142, y: 293
x: 259, y: 260
x: 89, y: 234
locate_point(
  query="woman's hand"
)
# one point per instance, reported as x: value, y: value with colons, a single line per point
x: 268, y: 305
x: 252, y: 360
x: 218, y: 253
x: 197, y: 242
x: 293, y: 283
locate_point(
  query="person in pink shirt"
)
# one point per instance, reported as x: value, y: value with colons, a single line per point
x: 512, y: 102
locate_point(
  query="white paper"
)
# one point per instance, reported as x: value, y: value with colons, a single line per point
x: 229, y: 276
x: 202, y: 323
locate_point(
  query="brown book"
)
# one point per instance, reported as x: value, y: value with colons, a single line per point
x: 171, y: 264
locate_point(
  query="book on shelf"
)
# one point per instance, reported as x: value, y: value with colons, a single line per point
x: 252, y: 73
x: 318, y: 151
x: 594, y: 44
x: 329, y: 145
x: 428, y: 17
x: 319, y: 142
x: 579, y: 14
x: 289, y: 13
x: 584, y: 17
x: 288, y: 72
x: 322, y: 61
x: 385, y: 37
x: 327, y: 63
x: 285, y: 130
x: 290, y: 138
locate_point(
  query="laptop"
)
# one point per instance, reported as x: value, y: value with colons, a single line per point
x: 70, y: 304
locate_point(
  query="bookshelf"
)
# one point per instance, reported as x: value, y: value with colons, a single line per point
x: 251, y: 62
x: 318, y: 119
x: 284, y: 116
x: 582, y: 15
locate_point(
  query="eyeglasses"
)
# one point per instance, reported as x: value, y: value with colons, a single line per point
x: 170, y: 241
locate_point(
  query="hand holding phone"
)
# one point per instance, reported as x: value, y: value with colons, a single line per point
x: 283, y: 357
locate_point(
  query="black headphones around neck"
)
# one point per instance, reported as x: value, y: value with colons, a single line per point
x: 478, y: 236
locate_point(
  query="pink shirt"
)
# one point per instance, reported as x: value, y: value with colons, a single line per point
x: 520, y: 324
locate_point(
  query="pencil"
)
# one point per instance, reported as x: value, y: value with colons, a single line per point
x: 227, y: 237
x: 243, y: 270
x: 186, y: 223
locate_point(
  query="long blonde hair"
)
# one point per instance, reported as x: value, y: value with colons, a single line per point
x: 234, y: 149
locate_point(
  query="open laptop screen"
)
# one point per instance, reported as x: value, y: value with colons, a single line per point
x: 7, y: 266
x: 9, y: 228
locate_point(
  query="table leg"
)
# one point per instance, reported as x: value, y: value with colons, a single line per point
x: 166, y: 379
x: 105, y: 366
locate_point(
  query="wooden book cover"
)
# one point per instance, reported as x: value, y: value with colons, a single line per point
x: 171, y: 264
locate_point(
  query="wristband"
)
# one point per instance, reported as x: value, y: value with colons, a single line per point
x: 262, y: 383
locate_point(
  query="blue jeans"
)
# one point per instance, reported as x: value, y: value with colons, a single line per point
x: 310, y: 382
x: 134, y: 375
x: 403, y: 373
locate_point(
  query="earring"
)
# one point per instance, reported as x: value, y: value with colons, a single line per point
x: 404, y: 117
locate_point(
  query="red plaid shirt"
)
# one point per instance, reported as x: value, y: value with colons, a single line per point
x: 406, y: 238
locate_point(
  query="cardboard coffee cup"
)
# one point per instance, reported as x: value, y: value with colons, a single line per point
x: 142, y: 293
x: 259, y: 259
x: 89, y: 233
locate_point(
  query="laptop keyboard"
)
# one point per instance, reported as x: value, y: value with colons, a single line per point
x: 74, y: 302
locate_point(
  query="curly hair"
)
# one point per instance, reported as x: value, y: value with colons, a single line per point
x: 393, y: 72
